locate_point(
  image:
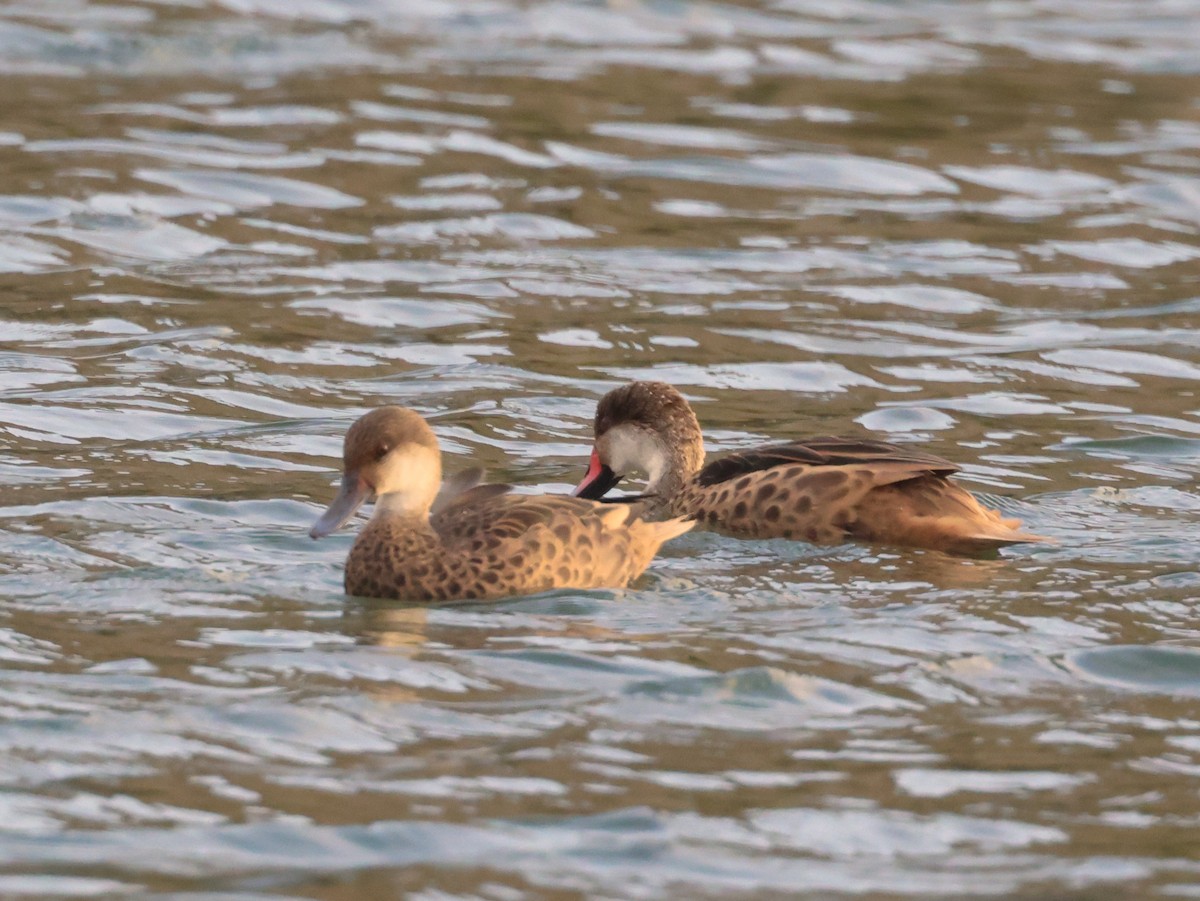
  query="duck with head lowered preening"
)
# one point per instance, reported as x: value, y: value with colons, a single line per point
x: 429, y: 541
x: 822, y: 490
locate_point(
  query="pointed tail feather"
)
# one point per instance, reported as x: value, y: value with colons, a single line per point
x: 1007, y: 532
x: 670, y: 528
x: 1010, y: 538
x: 648, y: 537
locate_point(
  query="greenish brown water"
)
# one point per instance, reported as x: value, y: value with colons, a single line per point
x: 230, y: 227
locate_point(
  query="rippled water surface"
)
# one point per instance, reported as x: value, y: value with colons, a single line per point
x: 230, y: 227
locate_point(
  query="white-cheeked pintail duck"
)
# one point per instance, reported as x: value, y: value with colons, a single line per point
x: 821, y: 490
x: 469, y: 540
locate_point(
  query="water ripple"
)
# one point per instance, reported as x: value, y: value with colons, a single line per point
x: 228, y: 228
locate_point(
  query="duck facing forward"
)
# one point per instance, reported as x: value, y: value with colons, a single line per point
x: 472, y: 541
x: 822, y: 490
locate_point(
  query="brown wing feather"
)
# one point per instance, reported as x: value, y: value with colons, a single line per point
x: 454, y: 486
x: 824, y: 451
x: 514, y: 544
x: 491, y: 510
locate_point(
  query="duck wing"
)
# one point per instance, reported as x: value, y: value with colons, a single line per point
x: 490, y: 510
x: 826, y: 451
x: 468, y: 510
x: 454, y: 486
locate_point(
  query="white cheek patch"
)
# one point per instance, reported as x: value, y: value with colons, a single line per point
x: 634, y: 450
x: 407, y: 480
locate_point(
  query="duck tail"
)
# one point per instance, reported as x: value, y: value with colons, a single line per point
x: 1006, y: 532
x: 649, y: 536
x: 670, y: 528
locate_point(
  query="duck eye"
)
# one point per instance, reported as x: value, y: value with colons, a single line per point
x: 381, y: 451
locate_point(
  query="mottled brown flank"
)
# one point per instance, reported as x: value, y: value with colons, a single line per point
x: 547, y: 542
x: 885, y: 501
x: 825, y: 480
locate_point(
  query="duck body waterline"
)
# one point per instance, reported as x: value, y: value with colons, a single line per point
x: 464, y: 541
x: 825, y: 490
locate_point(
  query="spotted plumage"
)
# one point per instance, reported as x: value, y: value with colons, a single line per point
x: 471, y: 540
x: 822, y: 490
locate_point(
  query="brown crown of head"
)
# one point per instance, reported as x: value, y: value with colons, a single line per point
x: 375, y: 434
x: 652, y: 405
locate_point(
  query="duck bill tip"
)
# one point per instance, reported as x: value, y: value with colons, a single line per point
x: 597, y: 481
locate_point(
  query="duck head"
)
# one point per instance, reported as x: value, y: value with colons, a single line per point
x: 643, y: 427
x: 390, y: 453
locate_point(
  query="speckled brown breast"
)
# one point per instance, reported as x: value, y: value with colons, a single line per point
x: 503, y: 546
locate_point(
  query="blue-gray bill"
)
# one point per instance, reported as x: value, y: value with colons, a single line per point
x: 350, y: 497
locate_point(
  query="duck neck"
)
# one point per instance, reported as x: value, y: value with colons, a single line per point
x: 398, y: 508
x: 669, y: 472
